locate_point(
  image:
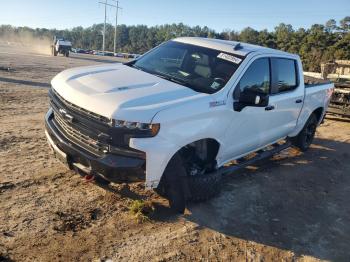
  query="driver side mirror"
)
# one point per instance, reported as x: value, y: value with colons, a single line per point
x: 250, y: 98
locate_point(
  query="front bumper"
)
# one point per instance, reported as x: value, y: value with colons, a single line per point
x: 112, y: 167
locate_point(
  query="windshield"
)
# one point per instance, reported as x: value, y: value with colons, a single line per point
x: 201, y: 69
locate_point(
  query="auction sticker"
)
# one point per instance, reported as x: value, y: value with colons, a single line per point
x: 230, y: 58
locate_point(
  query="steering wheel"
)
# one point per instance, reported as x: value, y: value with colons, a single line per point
x: 220, y: 81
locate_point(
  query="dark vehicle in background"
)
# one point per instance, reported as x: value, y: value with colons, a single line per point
x: 79, y: 51
x: 127, y: 55
x: 109, y: 54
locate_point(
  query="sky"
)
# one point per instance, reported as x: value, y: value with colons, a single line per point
x: 218, y: 15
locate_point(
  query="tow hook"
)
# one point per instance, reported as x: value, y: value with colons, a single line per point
x: 89, y: 178
x: 84, y: 171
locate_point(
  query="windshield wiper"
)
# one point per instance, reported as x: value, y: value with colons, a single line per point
x: 172, y: 79
x: 178, y: 81
x: 137, y: 67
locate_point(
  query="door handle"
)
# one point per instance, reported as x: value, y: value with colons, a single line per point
x: 268, y: 108
x: 298, y: 101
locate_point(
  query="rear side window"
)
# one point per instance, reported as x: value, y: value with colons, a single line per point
x: 285, y: 74
x: 257, y: 77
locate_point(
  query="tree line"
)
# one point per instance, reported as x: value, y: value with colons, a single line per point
x: 319, y: 43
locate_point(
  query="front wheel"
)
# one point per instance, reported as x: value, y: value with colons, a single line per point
x: 179, y: 187
x: 53, y: 51
x: 172, y: 184
x: 204, y: 187
x: 304, y: 139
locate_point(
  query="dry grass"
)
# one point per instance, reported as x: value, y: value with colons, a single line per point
x: 141, y: 210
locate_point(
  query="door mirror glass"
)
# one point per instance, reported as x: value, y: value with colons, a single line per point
x: 252, y: 98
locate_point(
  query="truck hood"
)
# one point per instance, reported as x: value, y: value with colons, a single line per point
x: 120, y: 92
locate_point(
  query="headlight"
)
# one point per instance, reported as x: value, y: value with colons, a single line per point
x: 146, y: 129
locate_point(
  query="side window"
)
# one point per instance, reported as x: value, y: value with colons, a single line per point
x: 285, y: 74
x: 257, y: 77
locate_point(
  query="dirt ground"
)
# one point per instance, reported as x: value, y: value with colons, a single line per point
x: 294, y: 207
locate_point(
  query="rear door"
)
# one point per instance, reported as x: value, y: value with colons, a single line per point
x: 286, y: 99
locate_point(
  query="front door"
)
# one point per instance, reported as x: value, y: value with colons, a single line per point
x: 247, y: 128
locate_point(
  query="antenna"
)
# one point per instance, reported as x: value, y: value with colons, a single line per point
x: 237, y: 46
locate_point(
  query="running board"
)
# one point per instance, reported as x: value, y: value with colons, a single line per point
x: 261, y: 154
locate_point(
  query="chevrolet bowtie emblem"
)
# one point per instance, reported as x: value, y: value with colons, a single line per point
x: 66, y: 116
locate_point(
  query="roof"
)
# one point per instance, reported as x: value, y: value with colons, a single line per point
x: 227, y: 46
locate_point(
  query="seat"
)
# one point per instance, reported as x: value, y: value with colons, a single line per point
x: 203, y: 70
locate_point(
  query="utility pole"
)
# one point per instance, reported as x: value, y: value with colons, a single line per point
x: 104, y: 30
x: 105, y: 3
x: 116, y: 24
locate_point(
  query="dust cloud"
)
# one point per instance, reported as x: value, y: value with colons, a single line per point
x: 26, y: 42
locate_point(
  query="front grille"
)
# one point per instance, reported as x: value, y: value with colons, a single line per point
x: 91, y: 132
x: 55, y: 96
x: 83, y: 140
x: 85, y: 129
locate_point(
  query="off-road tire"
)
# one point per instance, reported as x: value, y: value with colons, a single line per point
x: 176, y: 197
x: 304, y: 139
x: 179, y: 188
x: 67, y: 54
x: 53, y: 51
x: 171, y: 185
x: 204, y: 187
x: 161, y: 188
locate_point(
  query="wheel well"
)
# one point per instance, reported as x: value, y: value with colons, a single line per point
x: 318, y: 112
x: 201, y: 154
x: 202, y: 151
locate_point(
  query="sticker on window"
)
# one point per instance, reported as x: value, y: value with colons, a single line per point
x: 230, y: 58
x: 215, y: 85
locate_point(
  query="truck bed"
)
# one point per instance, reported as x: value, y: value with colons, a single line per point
x: 313, y: 81
x: 317, y: 95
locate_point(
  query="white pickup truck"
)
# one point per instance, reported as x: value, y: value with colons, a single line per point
x: 176, y: 116
x: 61, y: 46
